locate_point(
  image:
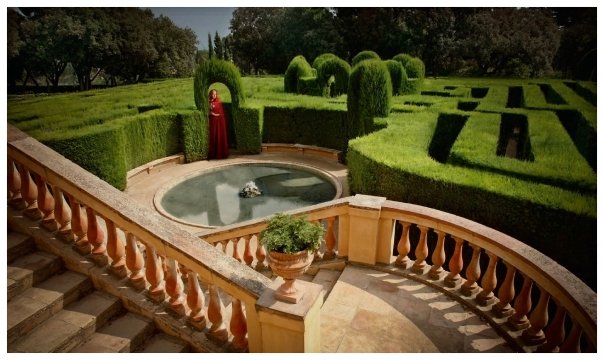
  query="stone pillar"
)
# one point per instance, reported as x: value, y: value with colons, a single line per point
x: 287, y: 327
x: 364, y: 215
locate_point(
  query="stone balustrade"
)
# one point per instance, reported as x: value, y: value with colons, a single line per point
x: 143, y: 250
x: 511, y: 285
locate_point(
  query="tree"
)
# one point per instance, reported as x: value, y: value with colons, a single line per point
x: 218, y: 47
x: 577, y: 56
x: 210, y: 47
x: 254, y: 44
x: 176, y: 48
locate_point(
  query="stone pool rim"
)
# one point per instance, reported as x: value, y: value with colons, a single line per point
x: 157, y: 197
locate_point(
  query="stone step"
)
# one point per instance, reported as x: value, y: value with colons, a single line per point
x: 163, y: 343
x: 124, y: 334
x: 70, y: 327
x: 328, y: 279
x: 18, y: 245
x: 35, y: 305
x: 29, y: 270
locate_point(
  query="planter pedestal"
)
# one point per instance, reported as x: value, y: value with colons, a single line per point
x: 289, y: 267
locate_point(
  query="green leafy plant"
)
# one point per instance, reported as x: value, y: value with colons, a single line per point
x: 290, y: 234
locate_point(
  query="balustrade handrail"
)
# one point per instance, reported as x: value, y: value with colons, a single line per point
x: 572, y: 293
x: 168, y: 239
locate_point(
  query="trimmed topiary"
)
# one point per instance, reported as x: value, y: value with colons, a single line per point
x: 296, y: 69
x: 339, y: 69
x: 365, y: 55
x: 369, y: 95
x: 319, y: 59
x: 396, y: 71
x: 415, y: 68
x: 403, y: 59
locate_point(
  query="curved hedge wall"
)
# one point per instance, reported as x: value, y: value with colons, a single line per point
x: 365, y: 55
x: 369, y: 95
x: 296, y: 69
x: 339, y: 69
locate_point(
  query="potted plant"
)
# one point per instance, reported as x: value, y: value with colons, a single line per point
x: 291, y: 243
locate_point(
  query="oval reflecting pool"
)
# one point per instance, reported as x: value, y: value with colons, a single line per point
x: 211, y: 198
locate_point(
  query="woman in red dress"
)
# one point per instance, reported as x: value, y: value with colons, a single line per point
x: 219, y: 143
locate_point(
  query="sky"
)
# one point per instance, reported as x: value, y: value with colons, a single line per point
x: 202, y: 20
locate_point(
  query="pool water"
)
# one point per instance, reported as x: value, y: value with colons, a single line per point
x: 212, y: 198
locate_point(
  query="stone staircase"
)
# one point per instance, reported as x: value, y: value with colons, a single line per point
x: 51, y: 309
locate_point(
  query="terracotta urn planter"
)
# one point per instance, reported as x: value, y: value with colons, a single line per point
x: 290, y: 267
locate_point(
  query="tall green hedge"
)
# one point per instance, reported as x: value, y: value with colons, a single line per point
x: 365, y: 55
x: 415, y: 68
x: 319, y: 59
x: 110, y: 150
x: 396, y: 71
x: 194, y: 134
x: 308, y: 126
x: 248, y: 130
x: 296, y: 69
x: 403, y: 59
x: 369, y: 95
x: 339, y: 69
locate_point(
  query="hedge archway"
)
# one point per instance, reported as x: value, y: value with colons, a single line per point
x: 195, y: 134
x: 333, y: 66
x: 297, y: 68
x: 365, y: 55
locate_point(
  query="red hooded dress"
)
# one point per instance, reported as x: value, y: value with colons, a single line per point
x: 219, y: 143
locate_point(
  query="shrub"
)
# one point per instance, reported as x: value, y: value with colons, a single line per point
x: 339, y: 69
x: 364, y: 55
x: 194, y: 134
x: 369, y: 95
x: 396, y: 71
x: 415, y: 68
x: 308, y: 86
x: 296, y: 69
x: 319, y: 59
x: 290, y: 234
x: 403, y: 59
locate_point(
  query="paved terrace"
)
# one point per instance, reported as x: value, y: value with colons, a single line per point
x: 366, y: 310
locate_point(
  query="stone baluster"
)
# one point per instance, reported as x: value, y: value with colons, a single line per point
x: 330, y: 239
x: 62, y: 216
x: 238, y: 326
x: 116, y: 251
x: 455, y: 264
x: 14, y: 186
x: 175, y: 289
x: 506, y: 293
x: 489, y: 282
x: 534, y: 335
x: 195, y: 301
x: 317, y: 256
x: 469, y: 287
x: 404, y: 246
x: 46, y: 204
x: 218, y: 331
x: 572, y: 344
x: 79, y: 225
x: 155, y: 275
x: 134, y: 262
x: 96, y: 238
x: 421, y: 251
x: 554, y: 334
x: 236, y: 255
x: 438, y: 256
x: 260, y: 254
x: 29, y: 192
x: 522, y: 306
x: 248, y: 257
x: 223, y: 245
